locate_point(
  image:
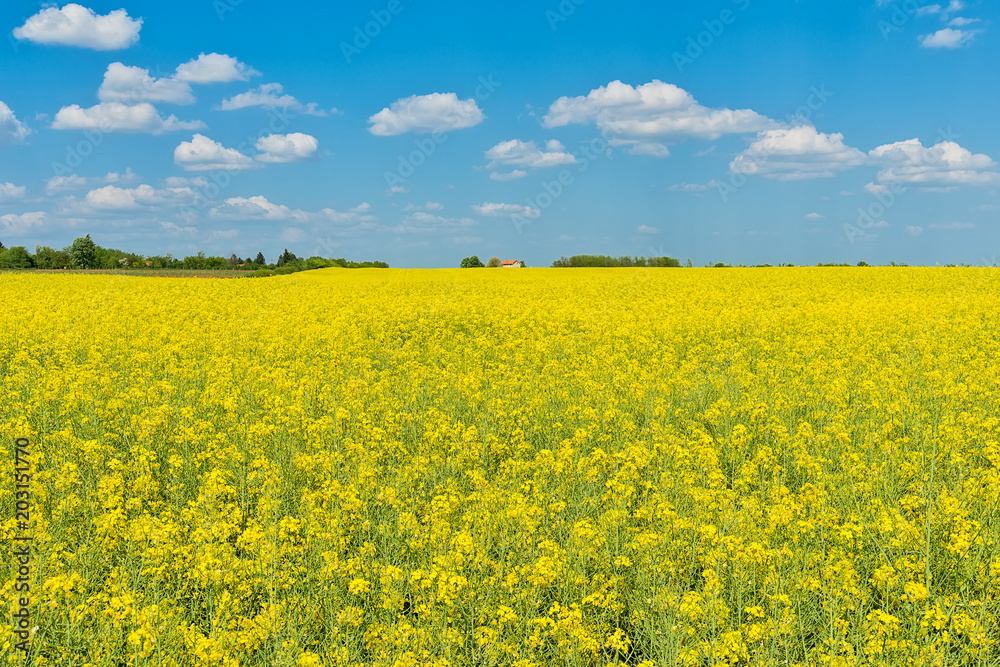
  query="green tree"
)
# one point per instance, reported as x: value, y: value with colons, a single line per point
x: 472, y: 263
x: 259, y: 259
x: 16, y: 258
x: 494, y: 262
x: 84, y: 252
x: 286, y: 257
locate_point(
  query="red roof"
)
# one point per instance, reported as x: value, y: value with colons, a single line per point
x: 510, y: 262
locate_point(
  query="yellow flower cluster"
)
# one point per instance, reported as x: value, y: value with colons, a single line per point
x: 540, y: 467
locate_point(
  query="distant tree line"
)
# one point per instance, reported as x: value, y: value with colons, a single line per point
x: 83, y: 253
x: 601, y: 261
x: 494, y: 262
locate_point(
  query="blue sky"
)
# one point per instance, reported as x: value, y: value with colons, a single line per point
x: 737, y: 131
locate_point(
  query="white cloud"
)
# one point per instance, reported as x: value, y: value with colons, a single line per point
x: 947, y: 38
x: 10, y: 192
x: 421, y: 223
x: 58, y: 184
x: 203, y: 154
x: 526, y: 154
x: 492, y: 210
x: 269, y: 96
x: 655, y: 109
x: 952, y: 226
x: 643, y: 229
x: 638, y: 147
x: 437, y: 112
x: 961, y: 22
x: 694, y: 187
x: 929, y: 9
x: 253, y: 208
x: 511, y: 176
x: 815, y: 216
x: 17, y: 225
x: 214, y: 68
x: 876, y: 189
x: 118, y: 117
x: 75, y: 25
x: 182, y: 182
x: 945, y: 164
x: 798, y: 153
x: 914, y: 230
x: 176, y: 229
x: 429, y: 206
x: 114, y: 198
x: 281, y: 148
x: 357, y: 214
x: 134, y: 84
x: 12, y: 131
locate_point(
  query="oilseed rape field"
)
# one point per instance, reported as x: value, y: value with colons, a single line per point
x: 794, y: 466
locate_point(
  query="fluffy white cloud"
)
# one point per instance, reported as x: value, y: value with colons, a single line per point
x: 12, y: 131
x: 437, y: 112
x: 253, y: 208
x: 17, y: 225
x: 114, y: 198
x: 798, y: 153
x: 516, y: 153
x: 270, y: 96
x: 133, y: 85
x: 118, y: 117
x: 293, y: 147
x: 655, y: 109
x: 10, y: 192
x: 75, y: 25
x: 214, y: 68
x: 492, y: 210
x: 203, y: 154
x: 947, y: 38
x: 945, y: 164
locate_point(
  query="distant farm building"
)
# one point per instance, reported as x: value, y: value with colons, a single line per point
x: 511, y: 264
